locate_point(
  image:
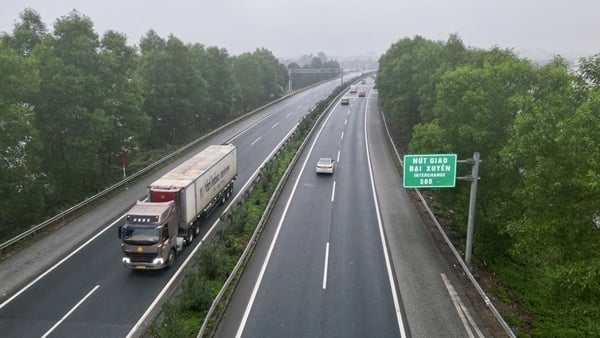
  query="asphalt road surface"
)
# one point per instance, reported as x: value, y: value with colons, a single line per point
x: 347, y: 255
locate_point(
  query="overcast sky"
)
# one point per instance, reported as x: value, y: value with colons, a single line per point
x: 534, y: 28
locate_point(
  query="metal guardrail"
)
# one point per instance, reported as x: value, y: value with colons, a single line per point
x: 458, y: 257
x: 139, y: 173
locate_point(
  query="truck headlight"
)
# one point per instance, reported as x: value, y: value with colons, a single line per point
x: 158, y: 261
x: 126, y: 260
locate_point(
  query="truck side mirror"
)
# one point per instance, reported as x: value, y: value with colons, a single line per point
x: 120, y: 229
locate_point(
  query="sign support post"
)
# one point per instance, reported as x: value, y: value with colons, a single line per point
x: 474, y: 177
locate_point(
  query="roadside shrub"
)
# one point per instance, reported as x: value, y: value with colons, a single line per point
x: 197, y: 293
x: 212, y: 258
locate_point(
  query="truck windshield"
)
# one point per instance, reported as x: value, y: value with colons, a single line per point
x: 135, y: 234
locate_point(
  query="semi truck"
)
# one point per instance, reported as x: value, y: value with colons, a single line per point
x: 156, y: 229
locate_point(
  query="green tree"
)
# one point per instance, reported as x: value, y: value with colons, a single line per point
x: 271, y: 77
x: 123, y: 99
x: 174, y: 89
x: 21, y: 179
x: 405, y: 72
x: 556, y: 237
x: 556, y: 127
x: 27, y: 33
x: 217, y: 70
x: 68, y: 111
x: 590, y: 69
x: 248, y: 74
x: 474, y: 111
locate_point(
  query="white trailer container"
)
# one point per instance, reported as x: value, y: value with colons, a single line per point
x: 198, y: 185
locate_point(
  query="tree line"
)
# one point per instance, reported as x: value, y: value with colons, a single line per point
x: 72, y: 103
x: 537, y: 129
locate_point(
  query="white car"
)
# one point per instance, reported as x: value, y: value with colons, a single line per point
x: 325, y: 165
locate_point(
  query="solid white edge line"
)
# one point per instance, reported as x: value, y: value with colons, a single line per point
x: 462, y: 310
x: 388, y: 265
x: 453, y: 296
x: 333, y: 192
x: 240, y: 330
x: 326, y: 265
x: 70, y: 311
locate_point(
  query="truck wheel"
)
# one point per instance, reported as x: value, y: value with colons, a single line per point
x: 190, y: 237
x: 171, y: 258
x: 196, y: 231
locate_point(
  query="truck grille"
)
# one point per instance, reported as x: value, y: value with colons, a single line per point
x: 141, y: 257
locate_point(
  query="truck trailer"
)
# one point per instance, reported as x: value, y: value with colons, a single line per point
x: 155, y: 230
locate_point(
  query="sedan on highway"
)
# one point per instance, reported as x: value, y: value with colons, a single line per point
x: 361, y: 93
x: 345, y: 101
x: 325, y: 166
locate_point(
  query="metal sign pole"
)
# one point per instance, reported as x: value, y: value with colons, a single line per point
x: 472, y: 199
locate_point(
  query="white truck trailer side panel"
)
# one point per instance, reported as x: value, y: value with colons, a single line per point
x: 200, y: 178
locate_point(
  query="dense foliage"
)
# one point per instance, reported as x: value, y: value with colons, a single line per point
x: 536, y: 127
x: 73, y: 103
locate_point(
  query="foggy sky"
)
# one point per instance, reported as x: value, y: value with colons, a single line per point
x: 536, y: 29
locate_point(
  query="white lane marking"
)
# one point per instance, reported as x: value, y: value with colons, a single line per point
x: 348, y: 112
x: 388, y: 264
x: 342, y: 136
x: 338, y: 156
x: 255, y: 140
x: 345, y: 121
x: 58, y: 264
x: 70, y: 311
x: 275, y: 125
x: 253, y: 125
x: 326, y: 265
x: 289, y: 114
x: 333, y: 192
x: 261, y: 274
x: 300, y: 106
x: 462, y: 310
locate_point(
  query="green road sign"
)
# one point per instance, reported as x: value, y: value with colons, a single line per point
x: 429, y: 171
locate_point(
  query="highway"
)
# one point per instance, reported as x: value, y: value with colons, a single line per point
x: 90, y: 293
x: 347, y: 255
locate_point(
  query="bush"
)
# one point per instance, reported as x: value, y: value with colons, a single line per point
x: 197, y: 293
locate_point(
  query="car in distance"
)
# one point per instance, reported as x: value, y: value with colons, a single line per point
x: 361, y: 93
x: 345, y: 101
x: 363, y: 81
x: 325, y: 165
